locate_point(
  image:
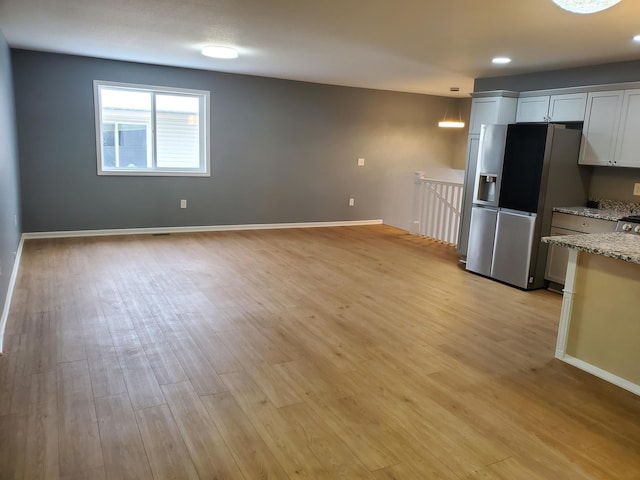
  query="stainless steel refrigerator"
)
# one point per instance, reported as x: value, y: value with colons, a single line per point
x: 523, y: 171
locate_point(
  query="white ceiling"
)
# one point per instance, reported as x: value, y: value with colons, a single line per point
x: 423, y: 46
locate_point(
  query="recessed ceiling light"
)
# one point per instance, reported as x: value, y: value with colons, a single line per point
x: 636, y: 38
x: 501, y: 60
x: 216, y: 51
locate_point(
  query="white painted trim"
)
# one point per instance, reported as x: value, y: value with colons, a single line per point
x: 603, y: 374
x: 7, y: 301
x: 195, y: 229
x: 567, y: 304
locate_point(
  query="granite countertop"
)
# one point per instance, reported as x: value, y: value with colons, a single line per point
x: 603, y: 214
x: 618, y: 245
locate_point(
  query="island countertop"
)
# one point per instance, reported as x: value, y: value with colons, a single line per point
x: 618, y: 245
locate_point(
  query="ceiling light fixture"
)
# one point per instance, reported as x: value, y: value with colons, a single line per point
x: 216, y: 51
x: 501, y: 60
x: 636, y: 38
x: 450, y: 121
x: 585, y: 6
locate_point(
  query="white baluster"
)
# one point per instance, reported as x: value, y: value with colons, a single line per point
x: 436, y: 209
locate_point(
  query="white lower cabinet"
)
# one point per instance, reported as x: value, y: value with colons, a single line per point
x: 557, y: 258
x: 567, y: 224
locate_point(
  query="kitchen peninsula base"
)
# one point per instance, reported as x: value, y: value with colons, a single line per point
x: 599, y: 328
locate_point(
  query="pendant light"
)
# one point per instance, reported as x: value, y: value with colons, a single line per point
x: 585, y: 6
x: 450, y: 121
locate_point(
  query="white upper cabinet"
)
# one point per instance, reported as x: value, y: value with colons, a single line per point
x: 568, y: 107
x: 627, y: 153
x: 533, y: 109
x: 490, y: 110
x: 600, y: 129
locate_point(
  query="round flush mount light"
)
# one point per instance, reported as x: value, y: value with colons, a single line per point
x: 216, y: 51
x: 585, y: 6
x: 501, y: 60
x: 636, y: 39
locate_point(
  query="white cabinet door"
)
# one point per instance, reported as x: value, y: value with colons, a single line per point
x: 628, y: 145
x: 483, y: 110
x: 599, y: 132
x: 567, y: 108
x: 532, y: 109
x: 555, y: 108
x: 489, y: 110
x: 566, y: 224
x: 557, y: 258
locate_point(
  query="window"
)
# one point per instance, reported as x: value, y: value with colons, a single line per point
x: 143, y: 130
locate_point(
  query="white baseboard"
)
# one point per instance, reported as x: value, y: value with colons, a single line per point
x: 194, y: 229
x: 7, y: 301
x: 603, y: 374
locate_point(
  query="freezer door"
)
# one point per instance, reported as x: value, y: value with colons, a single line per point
x: 513, y: 246
x: 481, y: 236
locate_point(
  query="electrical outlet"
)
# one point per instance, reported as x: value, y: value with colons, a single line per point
x: 361, y: 162
x: 183, y: 204
x: 636, y: 189
x: 352, y: 202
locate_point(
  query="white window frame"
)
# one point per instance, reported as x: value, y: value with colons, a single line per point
x: 116, y: 141
x: 205, y: 155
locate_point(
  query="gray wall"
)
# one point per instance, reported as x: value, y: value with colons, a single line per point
x: 282, y: 151
x: 569, y: 77
x: 608, y: 183
x: 9, y: 183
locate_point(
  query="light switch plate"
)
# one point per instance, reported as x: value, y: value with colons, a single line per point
x: 636, y: 189
x: 361, y: 162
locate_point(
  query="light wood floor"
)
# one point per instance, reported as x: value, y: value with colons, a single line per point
x: 351, y: 353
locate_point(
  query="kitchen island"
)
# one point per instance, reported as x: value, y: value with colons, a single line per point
x: 599, y: 329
